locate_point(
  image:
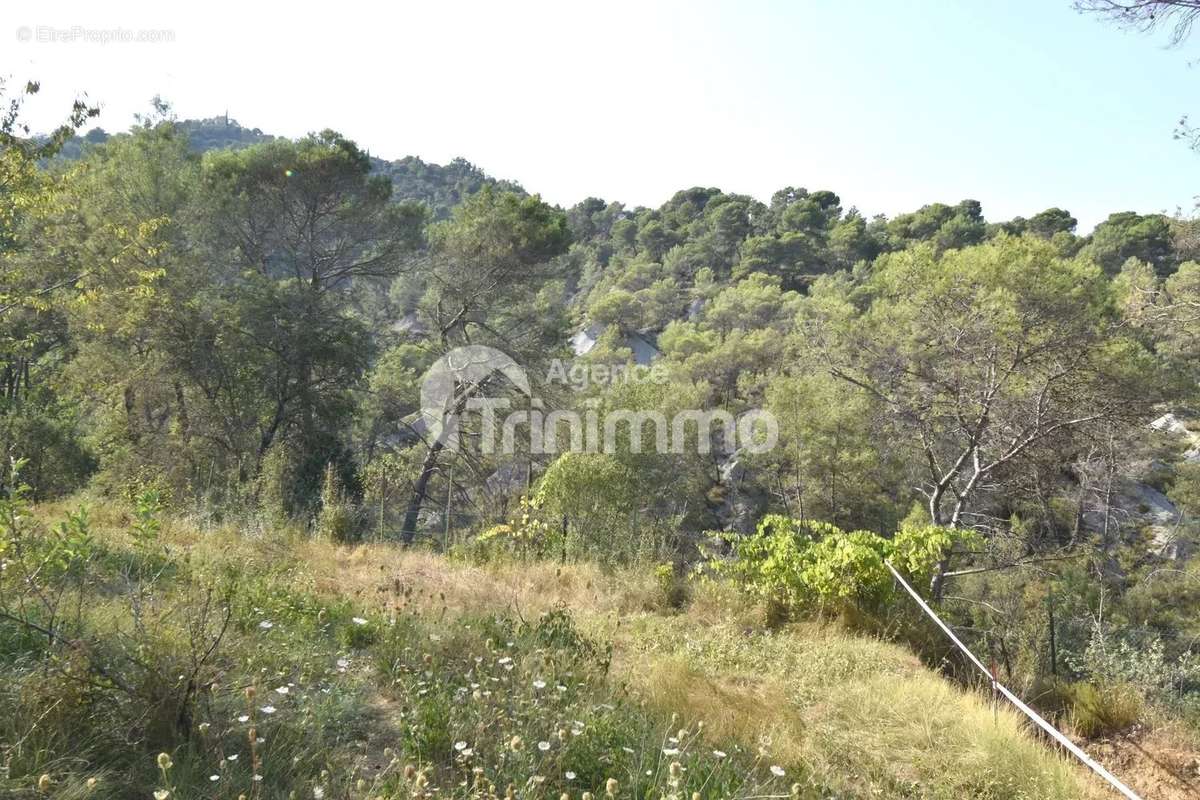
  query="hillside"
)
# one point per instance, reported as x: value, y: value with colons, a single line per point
x: 380, y: 455
x: 438, y: 187
x: 349, y: 664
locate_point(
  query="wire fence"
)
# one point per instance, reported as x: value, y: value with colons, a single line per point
x: 998, y: 687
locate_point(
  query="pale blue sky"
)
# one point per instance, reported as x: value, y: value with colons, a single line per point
x: 1021, y: 105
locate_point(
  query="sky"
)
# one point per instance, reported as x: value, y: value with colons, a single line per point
x: 1022, y: 105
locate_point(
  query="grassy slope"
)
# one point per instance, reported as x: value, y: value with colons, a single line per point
x: 855, y: 717
x: 862, y: 715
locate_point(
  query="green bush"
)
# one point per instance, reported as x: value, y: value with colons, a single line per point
x: 336, y: 519
x: 672, y: 586
x: 796, y: 566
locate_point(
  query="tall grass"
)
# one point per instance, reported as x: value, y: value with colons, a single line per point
x: 392, y: 673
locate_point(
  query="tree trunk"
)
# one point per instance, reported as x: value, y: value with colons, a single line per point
x: 408, y: 529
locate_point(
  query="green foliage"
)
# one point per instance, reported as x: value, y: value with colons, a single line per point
x: 146, y: 521
x: 916, y: 550
x: 337, y: 518
x: 800, y: 566
x: 206, y: 317
x: 672, y: 586
x: 46, y: 433
x: 1127, y: 235
x: 827, y: 461
x: 595, y: 496
x: 965, y: 353
x: 1143, y: 669
x: 526, y: 535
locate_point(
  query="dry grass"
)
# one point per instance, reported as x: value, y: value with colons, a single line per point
x: 857, y: 713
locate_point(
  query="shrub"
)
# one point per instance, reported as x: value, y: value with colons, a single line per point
x: 336, y: 519
x: 359, y: 634
x: 795, y: 565
x: 1142, y: 668
x: 672, y: 586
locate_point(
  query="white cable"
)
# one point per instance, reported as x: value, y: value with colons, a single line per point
x: 1057, y: 735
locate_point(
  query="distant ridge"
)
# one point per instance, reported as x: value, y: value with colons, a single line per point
x: 440, y: 187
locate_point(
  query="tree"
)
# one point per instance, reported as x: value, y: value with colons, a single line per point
x: 1050, y: 222
x: 980, y: 357
x: 1126, y: 235
x: 303, y: 223
x: 122, y: 227
x: 1147, y: 15
x: 483, y: 276
x: 23, y: 189
x: 1167, y: 312
x: 219, y: 326
x: 948, y: 227
x: 34, y: 422
x: 829, y: 464
x: 737, y: 340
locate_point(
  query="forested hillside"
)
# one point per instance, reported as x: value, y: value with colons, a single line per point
x: 438, y: 187
x: 206, y: 329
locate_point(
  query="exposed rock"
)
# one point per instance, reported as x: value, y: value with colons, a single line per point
x: 640, y: 344
x: 1169, y: 423
x: 738, y: 502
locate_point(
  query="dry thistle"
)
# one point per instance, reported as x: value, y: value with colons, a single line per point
x: 611, y: 786
x: 676, y: 773
x: 44, y: 784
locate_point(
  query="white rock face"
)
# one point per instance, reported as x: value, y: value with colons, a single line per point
x: 1170, y: 423
x: 643, y: 349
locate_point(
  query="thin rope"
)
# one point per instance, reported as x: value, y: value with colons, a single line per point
x: 1053, y: 732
